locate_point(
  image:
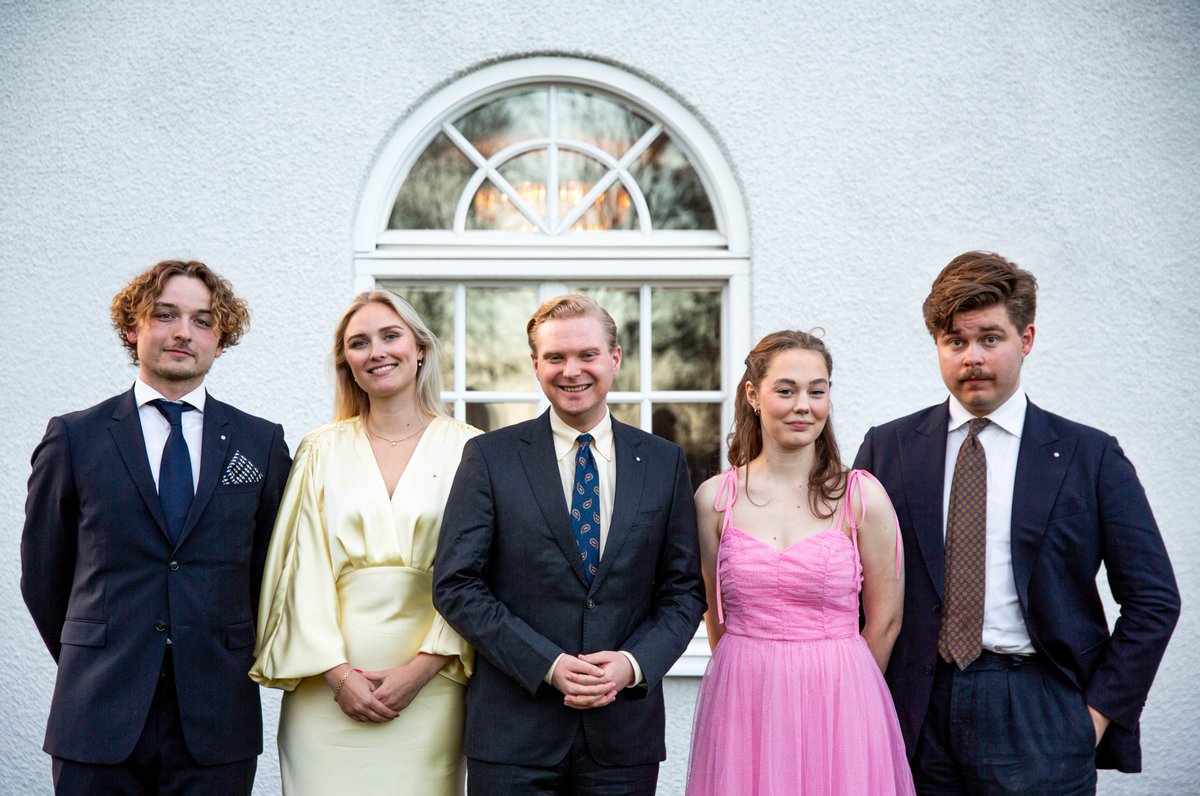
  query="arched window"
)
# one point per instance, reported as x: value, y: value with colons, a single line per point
x: 535, y: 177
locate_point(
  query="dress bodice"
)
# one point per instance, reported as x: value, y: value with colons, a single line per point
x: 806, y: 591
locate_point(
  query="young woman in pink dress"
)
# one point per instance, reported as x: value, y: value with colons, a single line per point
x: 794, y: 700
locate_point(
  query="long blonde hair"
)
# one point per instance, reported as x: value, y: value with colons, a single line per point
x: 349, y: 400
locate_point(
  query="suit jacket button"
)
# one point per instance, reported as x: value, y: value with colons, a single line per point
x: 160, y: 626
x: 173, y: 566
x: 928, y: 670
x: 937, y: 608
x: 590, y: 603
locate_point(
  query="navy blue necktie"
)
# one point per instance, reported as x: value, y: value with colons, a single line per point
x: 585, y: 507
x: 175, y: 490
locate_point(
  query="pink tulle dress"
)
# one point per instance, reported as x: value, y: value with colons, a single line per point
x: 793, y: 703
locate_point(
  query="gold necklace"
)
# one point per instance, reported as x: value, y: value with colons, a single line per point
x: 394, y: 442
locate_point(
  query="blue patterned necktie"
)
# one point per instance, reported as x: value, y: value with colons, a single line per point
x: 961, y: 636
x: 585, y: 507
x: 175, y: 490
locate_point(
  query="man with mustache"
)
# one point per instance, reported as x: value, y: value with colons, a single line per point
x: 146, y: 531
x: 1005, y: 675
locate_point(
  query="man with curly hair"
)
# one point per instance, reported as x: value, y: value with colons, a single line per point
x: 146, y: 531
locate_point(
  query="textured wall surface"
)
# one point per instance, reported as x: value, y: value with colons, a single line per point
x: 873, y: 143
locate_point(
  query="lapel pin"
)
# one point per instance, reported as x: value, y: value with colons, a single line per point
x: 1056, y: 454
x: 637, y: 458
x: 223, y: 437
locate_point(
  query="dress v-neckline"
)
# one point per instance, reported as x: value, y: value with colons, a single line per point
x: 365, y: 441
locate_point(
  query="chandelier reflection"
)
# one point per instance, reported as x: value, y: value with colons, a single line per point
x: 492, y: 208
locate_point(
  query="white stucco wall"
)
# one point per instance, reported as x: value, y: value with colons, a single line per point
x: 873, y: 143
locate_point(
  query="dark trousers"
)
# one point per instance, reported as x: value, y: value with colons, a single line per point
x: 160, y: 763
x: 577, y: 775
x: 1006, y: 724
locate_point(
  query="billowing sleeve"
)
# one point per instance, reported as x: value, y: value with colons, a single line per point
x: 443, y: 640
x: 299, y: 633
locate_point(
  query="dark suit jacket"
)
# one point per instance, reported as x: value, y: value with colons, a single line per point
x: 106, y: 587
x: 508, y: 577
x: 1077, y: 503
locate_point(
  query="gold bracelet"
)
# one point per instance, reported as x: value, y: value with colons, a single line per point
x: 337, y: 689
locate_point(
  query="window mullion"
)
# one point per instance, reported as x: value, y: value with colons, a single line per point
x: 460, y: 343
x: 645, y: 348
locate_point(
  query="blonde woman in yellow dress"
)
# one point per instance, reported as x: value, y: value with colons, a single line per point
x: 375, y: 678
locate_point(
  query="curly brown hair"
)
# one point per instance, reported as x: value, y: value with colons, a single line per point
x: 979, y: 279
x: 136, y: 301
x: 827, y: 479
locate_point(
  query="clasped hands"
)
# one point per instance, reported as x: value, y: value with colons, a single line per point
x: 380, y: 695
x: 591, y: 680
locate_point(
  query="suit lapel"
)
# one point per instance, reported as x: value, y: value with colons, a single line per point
x: 631, y: 472
x: 541, y: 470
x: 1042, y: 463
x: 923, y: 462
x: 127, y: 433
x: 213, y: 448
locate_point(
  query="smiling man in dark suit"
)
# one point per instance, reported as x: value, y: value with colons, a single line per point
x: 569, y: 558
x: 1005, y: 675
x: 146, y: 530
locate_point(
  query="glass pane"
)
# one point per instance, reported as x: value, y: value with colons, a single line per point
x: 628, y: 414
x: 489, y: 417
x: 686, y: 339
x: 598, y: 121
x: 491, y: 209
x: 576, y: 176
x: 613, y: 210
x: 497, y: 351
x: 431, y: 190
x: 435, y: 305
x: 505, y: 121
x: 527, y: 174
x: 623, y: 305
x: 697, y: 429
x: 672, y: 188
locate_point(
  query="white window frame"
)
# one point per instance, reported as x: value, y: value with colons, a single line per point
x: 440, y: 256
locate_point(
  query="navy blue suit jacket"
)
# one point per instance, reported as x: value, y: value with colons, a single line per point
x: 106, y: 587
x: 508, y: 577
x: 1077, y: 503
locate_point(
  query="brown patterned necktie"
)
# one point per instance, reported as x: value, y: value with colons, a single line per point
x: 961, y: 636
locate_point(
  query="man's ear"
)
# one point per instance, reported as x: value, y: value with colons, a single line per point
x: 131, y: 335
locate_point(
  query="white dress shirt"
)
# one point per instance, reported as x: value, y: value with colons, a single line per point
x: 566, y: 444
x: 1003, y: 627
x: 156, y: 429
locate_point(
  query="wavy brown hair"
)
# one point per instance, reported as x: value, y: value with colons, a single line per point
x: 136, y: 301
x: 975, y: 280
x: 827, y: 479
x: 350, y: 400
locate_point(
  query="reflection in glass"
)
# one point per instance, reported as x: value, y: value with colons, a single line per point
x: 496, y: 348
x: 505, y: 121
x: 613, y: 209
x: 599, y: 121
x: 430, y: 191
x: 697, y: 429
x: 673, y: 190
x: 686, y: 339
x: 435, y: 305
x: 492, y: 209
x: 576, y: 176
x: 628, y: 414
x: 489, y: 417
x: 623, y: 305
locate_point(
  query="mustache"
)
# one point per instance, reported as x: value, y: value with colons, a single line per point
x: 976, y: 374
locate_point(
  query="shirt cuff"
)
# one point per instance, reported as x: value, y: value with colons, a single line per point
x: 549, y: 678
x: 637, y: 670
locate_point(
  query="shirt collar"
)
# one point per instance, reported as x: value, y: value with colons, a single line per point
x: 566, y: 438
x: 143, y: 394
x: 1009, y: 416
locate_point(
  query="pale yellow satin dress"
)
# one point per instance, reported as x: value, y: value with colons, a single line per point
x: 348, y: 578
